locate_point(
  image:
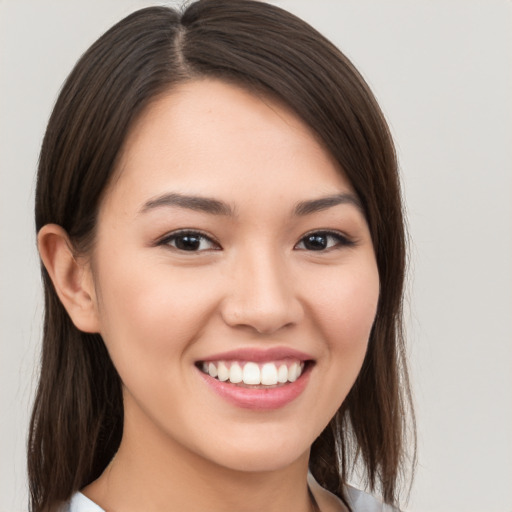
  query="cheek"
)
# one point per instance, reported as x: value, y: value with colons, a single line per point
x: 345, y: 312
x: 346, y: 307
x: 150, y: 314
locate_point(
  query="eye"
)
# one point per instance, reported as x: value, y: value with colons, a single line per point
x: 322, y: 241
x: 190, y: 241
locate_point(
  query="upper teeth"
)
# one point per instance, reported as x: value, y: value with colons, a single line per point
x: 267, y: 374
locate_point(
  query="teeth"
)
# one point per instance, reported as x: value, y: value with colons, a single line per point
x: 269, y: 374
x: 282, y: 374
x: 223, y: 372
x: 212, y: 370
x: 292, y: 372
x: 250, y: 373
x: 235, y: 374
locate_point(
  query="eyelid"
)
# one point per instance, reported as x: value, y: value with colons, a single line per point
x: 343, y: 239
x: 164, y: 240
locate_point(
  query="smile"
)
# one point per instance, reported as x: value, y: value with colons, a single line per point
x: 251, y: 373
x: 257, y: 379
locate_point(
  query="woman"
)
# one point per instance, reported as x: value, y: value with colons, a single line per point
x: 219, y: 219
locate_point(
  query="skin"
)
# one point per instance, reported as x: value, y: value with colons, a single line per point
x: 252, y: 283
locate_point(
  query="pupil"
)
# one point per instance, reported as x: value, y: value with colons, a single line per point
x: 315, y: 242
x: 188, y: 242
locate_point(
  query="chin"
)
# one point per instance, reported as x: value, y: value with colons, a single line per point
x: 261, y: 454
x: 261, y: 462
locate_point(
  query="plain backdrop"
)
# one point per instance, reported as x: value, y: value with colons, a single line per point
x: 442, y: 71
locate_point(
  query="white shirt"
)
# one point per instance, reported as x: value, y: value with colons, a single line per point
x: 359, y: 502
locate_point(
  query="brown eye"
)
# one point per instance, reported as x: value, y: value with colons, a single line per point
x: 322, y: 240
x: 317, y: 242
x: 190, y: 241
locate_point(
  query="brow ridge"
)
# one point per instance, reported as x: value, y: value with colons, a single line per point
x: 323, y: 203
x: 191, y: 202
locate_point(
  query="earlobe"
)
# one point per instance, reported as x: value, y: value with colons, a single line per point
x: 71, y: 278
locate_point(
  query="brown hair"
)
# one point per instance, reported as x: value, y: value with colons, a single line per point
x: 77, y: 420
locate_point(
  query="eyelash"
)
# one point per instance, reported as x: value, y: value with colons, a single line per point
x: 167, y: 240
x: 340, y: 240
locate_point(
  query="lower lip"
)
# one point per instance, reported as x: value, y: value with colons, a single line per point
x: 258, y: 398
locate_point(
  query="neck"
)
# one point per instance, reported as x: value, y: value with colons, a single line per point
x: 158, y: 474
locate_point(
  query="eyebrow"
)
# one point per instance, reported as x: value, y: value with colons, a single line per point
x: 198, y: 203
x: 216, y: 207
x: 323, y: 203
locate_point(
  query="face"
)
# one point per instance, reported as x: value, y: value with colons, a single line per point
x: 235, y: 280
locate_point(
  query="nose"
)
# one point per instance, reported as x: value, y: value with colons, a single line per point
x: 262, y: 294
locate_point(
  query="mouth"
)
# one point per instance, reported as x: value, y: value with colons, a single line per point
x: 261, y: 380
x: 255, y: 374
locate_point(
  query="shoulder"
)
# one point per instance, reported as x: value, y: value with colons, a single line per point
x: 80, y: 503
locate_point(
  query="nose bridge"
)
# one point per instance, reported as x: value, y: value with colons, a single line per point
x: 263, y: 294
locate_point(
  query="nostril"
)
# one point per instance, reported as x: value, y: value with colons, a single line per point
x: 264, y: 320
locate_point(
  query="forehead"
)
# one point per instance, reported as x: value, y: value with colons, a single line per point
x: 211, y: 137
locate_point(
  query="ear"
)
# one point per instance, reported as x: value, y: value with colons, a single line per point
x: 71, y: 277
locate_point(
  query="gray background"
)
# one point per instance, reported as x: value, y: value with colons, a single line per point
x: 442, y: 71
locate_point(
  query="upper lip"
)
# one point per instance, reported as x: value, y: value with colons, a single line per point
x: 259, y: 355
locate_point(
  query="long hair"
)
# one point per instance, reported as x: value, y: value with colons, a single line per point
x: 77, y: 420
